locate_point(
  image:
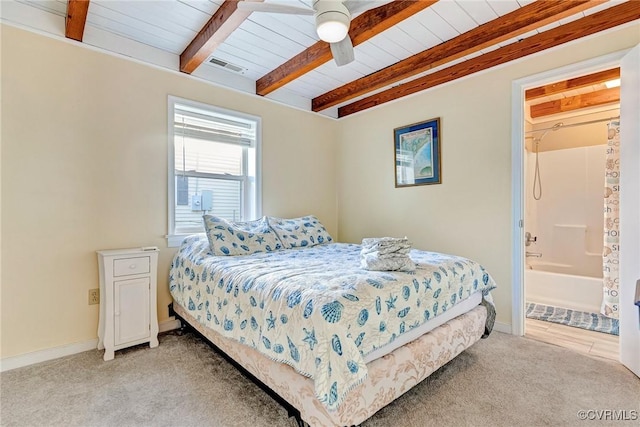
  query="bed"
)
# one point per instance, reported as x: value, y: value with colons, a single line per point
x: 332, y: 340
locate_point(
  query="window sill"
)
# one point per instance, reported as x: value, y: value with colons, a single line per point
x: 175, y: 240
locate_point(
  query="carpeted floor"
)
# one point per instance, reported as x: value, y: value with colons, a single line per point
x: 578, y: 319
x: 501, y: 381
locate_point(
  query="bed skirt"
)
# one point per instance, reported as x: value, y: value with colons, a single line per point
x: 389, y: 376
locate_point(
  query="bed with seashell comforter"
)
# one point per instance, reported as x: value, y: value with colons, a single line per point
x: 335, y: 341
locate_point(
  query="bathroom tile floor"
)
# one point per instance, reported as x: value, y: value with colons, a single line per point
x: 592, y: 343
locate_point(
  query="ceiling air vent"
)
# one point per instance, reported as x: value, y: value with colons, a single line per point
x: 224, y: 64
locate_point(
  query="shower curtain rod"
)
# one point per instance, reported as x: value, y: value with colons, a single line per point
x: 575, y: 124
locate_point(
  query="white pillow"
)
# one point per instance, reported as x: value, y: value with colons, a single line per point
x: 240, y: 238
x: 301, y: 232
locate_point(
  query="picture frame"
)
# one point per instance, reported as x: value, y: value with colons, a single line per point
x: 417, y: 154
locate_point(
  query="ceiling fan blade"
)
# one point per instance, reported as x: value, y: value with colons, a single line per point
x: 272, y: 7
x: 343, y: 52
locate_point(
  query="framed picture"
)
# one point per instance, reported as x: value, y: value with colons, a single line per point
x: 417, y: 153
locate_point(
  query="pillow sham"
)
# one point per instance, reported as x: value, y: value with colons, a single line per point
x: 240, y: 238
x: 300, y: 232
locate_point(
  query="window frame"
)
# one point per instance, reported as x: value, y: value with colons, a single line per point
x: 175, y: 239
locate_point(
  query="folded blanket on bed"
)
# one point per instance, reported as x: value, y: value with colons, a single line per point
x: 386, y: 244
x: 386, y: 254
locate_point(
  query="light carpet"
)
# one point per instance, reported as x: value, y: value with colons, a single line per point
x: 577, y: 319
x: 501, y: 381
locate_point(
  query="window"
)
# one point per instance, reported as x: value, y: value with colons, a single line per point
x: 213, y: 166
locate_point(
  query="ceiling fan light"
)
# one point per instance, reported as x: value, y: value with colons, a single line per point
x: 332, y: 20
x: 332, y: 28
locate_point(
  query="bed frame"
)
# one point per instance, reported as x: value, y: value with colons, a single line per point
x: 388, y: 377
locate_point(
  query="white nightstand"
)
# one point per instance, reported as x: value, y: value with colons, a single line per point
x: 128, y: 288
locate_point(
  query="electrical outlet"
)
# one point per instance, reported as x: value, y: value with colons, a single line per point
x: 94, y: 296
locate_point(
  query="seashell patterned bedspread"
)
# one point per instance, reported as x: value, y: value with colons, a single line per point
x: 316, y: 309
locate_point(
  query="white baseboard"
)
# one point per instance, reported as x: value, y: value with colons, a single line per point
x: 502, y: 327
x: 9, y: 363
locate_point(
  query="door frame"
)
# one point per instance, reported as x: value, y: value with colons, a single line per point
x: 518, y: 88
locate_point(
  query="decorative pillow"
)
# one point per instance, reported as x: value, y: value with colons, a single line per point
x: 240, y: 238
x: 300, y: 232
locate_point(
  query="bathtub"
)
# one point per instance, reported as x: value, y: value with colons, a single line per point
x: 549, y: 284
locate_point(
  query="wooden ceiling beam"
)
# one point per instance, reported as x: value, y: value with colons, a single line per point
x: 363, y: 27
x: 577, y: 102
x: 224, y: 21
x: 576, y: 83
x: 76, y: 19
x: 513, y: 24
x: 591, y: 24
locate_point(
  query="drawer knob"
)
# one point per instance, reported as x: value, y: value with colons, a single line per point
x: 132, y: 267
x: 117, y: 313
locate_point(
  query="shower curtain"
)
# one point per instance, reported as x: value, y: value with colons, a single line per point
x: 610, y: 266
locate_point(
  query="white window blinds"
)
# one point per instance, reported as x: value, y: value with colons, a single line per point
x: 213, y: 166
x: 209, y: 126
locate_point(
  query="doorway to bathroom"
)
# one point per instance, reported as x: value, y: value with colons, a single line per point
x: 571, y: 148
x: 629, y: 280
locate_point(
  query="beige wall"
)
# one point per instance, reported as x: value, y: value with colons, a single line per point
x: 470, y: 212
x: 84, y: 167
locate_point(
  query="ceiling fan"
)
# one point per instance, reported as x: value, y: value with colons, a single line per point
x: 332, y: 21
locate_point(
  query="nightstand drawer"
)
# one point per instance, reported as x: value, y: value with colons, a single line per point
x: 129, y: 266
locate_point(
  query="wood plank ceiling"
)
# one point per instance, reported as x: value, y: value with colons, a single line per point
x: 401, y: 47
x: 592, y: 90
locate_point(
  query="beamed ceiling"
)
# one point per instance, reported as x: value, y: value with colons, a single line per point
x: 401, y: 47
x: 579, y: 93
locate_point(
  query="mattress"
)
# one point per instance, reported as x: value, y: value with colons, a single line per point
x: 464, y: 306
x: 316, y: 310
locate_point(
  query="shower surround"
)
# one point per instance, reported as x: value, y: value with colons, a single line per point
x: 568, y: 220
